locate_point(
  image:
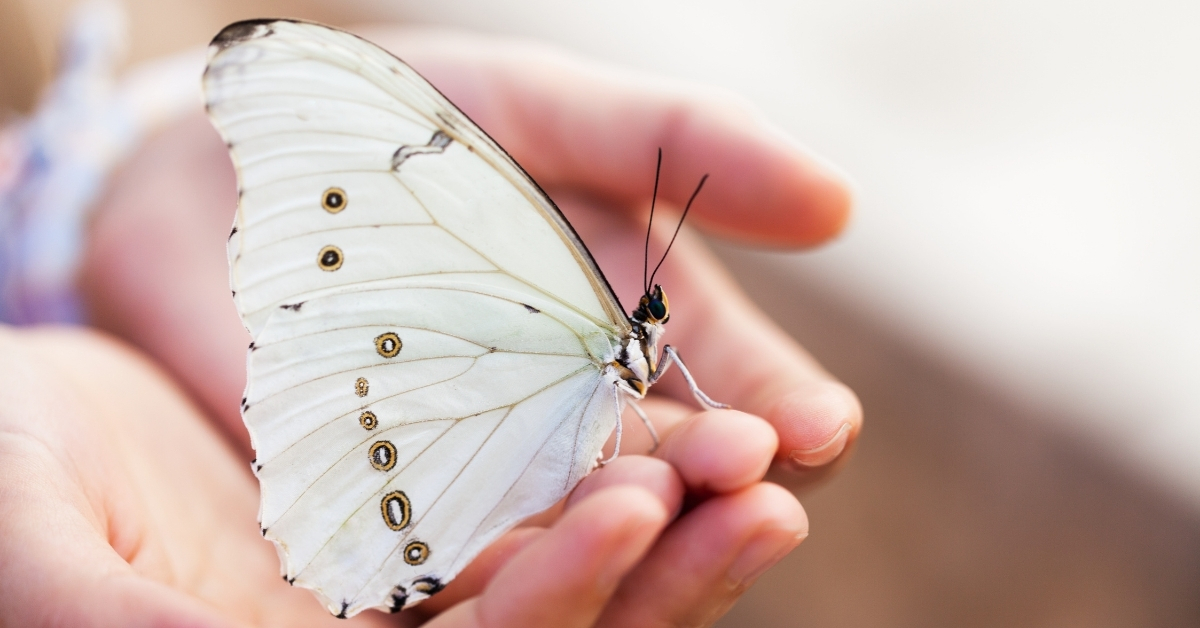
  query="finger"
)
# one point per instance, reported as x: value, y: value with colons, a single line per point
x: 720, y: 451
x: 577, y: 124
x: 566, y: 576
x: 707, y: 559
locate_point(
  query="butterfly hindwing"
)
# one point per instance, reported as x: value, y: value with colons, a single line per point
x: 431, y: 340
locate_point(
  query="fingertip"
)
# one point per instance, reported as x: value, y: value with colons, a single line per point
x: 634, y: 506
x: 816, y: 423
x: 768, y: 189
x: 768, y: 522
x: 652, y: 474
x: 826, y: 208
x: 782, y: 510
x: 762, y: 506
x: 824, y: 193
x: 718, y: 451
x: 782, y: 525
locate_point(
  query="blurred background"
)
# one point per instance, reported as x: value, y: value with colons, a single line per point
x: 1017, y: 300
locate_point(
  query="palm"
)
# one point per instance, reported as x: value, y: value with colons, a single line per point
x: 145, y: 507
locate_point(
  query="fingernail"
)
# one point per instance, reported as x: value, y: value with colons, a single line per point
x: 761, y: 554
x: 825, y: 452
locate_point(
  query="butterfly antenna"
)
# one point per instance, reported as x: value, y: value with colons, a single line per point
x: 686, y: 209
x: 653, y: 199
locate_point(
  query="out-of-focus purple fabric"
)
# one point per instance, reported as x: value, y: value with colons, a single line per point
x: 54, y: 164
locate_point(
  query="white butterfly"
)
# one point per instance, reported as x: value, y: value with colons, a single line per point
x: 436, y: 355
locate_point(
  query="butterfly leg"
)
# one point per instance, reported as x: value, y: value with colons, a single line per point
x: 669, y: 356
x: 617, y: 445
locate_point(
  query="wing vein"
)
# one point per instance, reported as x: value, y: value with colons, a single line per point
x: 496, y: 264
x: 392, y: 477
x: 525, y: 469
x: 350, y: 413
x: 458, y: 475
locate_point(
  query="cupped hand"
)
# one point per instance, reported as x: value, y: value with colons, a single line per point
x: 156, y: 275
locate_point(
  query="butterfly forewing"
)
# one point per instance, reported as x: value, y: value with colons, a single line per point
x: 431, y: 341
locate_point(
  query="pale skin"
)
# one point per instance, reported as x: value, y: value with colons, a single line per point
x: 125, y: 493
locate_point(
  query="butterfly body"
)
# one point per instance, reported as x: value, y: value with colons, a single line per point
x: 436, y: 356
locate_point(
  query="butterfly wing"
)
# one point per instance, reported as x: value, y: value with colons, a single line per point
x: 431, y: 339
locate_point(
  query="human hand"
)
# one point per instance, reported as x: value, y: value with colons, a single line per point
x: 589, y: 136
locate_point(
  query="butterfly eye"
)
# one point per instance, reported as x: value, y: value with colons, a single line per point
x: 657, y: 309
x: 330, y: 258
x: 416, y: 553
x: 333, y: 200
x: 368, y: 420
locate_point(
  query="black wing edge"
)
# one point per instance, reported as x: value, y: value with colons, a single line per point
x: 246, y: 30
x: 252, y: 29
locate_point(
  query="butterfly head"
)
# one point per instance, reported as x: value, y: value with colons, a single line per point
x: 653, y: 308
x: 638, y: 358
